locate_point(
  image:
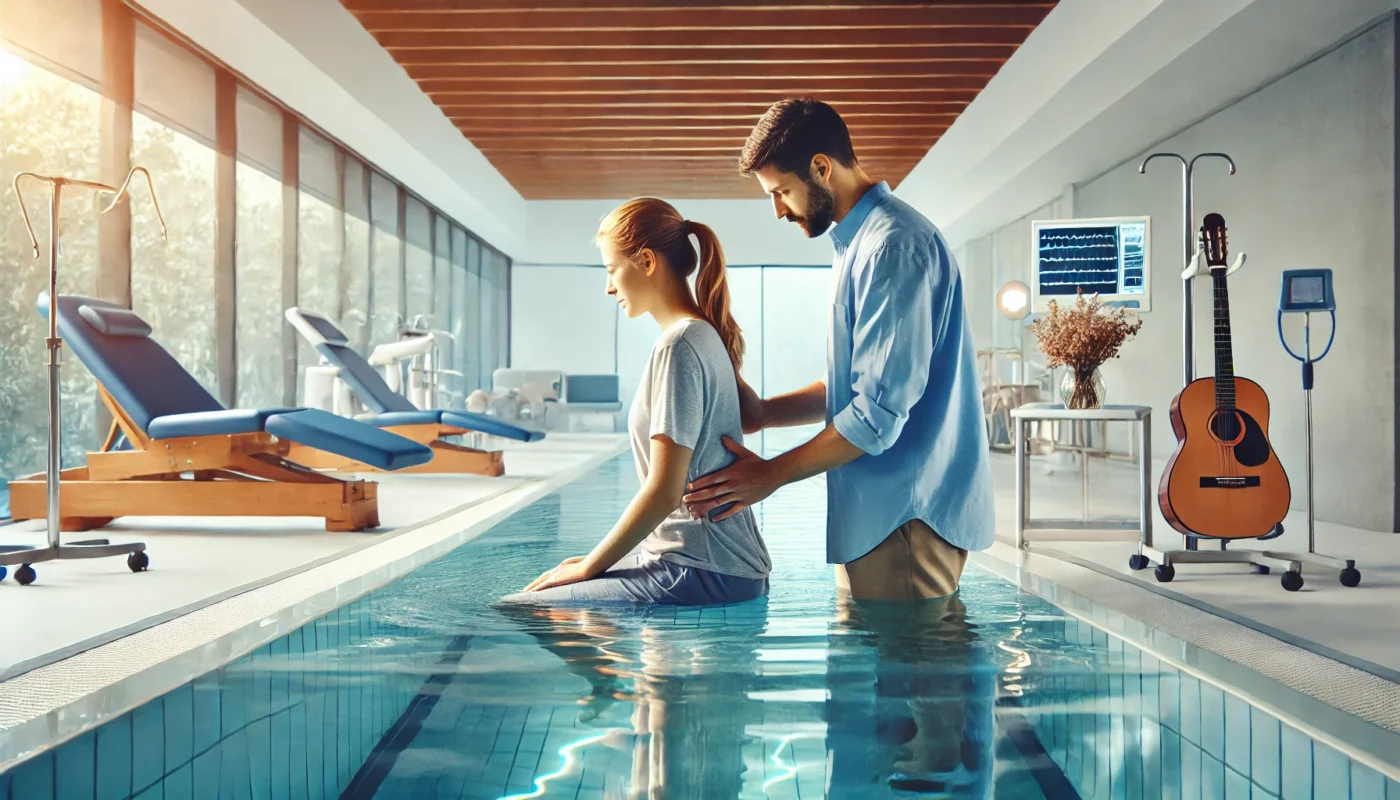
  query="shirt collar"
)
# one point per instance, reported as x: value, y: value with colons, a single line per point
x: 845, y: 231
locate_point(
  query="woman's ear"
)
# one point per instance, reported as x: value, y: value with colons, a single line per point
x: 647, y: 261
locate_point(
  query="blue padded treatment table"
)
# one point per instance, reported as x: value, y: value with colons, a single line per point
x: 392, y: 408
x: 165, y: 401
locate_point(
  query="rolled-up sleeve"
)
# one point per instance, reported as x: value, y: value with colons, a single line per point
x: 892, y: 339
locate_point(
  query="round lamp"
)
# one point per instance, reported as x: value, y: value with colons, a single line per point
x: 1014, y: 300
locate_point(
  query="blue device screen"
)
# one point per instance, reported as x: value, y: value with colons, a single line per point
x: 1306, y: 290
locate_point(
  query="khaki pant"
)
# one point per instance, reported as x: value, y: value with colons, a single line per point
x: 913, y: 563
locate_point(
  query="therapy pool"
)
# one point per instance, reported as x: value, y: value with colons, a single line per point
x: 423, y: 690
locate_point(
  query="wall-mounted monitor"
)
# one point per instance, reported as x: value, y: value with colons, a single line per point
x: 1109, y: 256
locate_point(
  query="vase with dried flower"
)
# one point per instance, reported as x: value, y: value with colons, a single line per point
x: 1082, y: 338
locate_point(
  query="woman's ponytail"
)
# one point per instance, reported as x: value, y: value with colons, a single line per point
x: 712, y: 292
x: 651, y: 223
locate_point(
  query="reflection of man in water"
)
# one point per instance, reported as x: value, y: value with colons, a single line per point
x: 688, y: 686
x: 919, y: 720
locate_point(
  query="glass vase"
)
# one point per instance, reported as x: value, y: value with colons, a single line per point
x: 1082, y: 387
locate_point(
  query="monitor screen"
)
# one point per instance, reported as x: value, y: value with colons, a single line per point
x: 1107, y: 257
x: 1309, y: 289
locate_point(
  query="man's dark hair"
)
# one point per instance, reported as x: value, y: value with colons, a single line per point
x: 792, y: 133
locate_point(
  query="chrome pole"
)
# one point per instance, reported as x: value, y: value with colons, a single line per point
x: 54, y: 346
x: 1308, y: 427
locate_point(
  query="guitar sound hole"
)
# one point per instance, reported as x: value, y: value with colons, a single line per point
x: 1227, y: 427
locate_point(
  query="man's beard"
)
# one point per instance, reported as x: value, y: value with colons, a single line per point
x: 820, y: 211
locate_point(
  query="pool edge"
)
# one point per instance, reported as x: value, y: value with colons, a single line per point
x: 43, y: 708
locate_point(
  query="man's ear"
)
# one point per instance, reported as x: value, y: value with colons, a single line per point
x: 821, y: 168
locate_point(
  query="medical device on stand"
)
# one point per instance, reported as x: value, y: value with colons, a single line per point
x: 412, y: 366
x: 137, y: 560
x: 1303, y: 292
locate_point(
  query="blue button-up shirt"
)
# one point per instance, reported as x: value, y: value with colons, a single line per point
x: 902, y: 385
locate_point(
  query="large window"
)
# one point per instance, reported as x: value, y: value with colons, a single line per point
x: 355, y: 268
x: 258, y: 252
x: 48, y: 125
x: 366, y: 252
x: 386, y: 261
x: 418, y: 260
x: 320, y: 236
x: 172, y: 279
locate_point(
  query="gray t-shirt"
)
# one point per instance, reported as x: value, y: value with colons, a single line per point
x: 688, y: 392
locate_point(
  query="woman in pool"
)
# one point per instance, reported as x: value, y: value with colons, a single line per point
x: 687, y: 400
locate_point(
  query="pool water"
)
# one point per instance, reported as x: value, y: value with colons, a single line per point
x: 423, y: 689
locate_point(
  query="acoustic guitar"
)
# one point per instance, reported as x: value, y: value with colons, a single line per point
x: 1224, y: 481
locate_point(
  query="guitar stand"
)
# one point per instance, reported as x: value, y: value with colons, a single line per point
x: 55, y: 550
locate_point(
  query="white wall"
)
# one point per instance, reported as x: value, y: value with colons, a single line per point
x: 561, y: 231
x: 1315, y: 187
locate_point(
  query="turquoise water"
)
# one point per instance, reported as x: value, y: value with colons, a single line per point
x: 424, y: 690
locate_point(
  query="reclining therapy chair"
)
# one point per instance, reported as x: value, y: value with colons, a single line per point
x: 173, y: 450
x: 393, y: 412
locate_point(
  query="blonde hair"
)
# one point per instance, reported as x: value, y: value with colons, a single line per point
x: 648, y: 223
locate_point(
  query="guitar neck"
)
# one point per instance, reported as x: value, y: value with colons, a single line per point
x: 1224, y: 358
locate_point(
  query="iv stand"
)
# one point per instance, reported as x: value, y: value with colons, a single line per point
x: 55, y: 550
x: 1193, y: 261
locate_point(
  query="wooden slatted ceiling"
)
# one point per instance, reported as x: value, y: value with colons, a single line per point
x: 613, y: 99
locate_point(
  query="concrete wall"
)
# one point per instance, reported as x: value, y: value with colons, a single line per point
x: 1315, y: 187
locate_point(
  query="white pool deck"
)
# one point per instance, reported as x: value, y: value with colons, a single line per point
x: 90, y: 639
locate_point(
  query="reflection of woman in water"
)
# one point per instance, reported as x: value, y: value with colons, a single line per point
x: 688, y: 400
x: 689, y: 691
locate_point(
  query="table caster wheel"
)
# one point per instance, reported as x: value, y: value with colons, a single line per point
x: 1351, y: 576
x: 138, y: 562
x: 1292, y: 581
x: 1259, y: 569
x: 25, y: 575
x: 1137, y: 562
x: 1165, y: 573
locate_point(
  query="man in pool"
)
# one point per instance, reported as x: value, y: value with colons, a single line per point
x: 909, y: 486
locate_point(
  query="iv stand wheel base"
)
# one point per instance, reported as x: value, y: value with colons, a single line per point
x: 136, y: 558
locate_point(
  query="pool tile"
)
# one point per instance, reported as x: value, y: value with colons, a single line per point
x: 1169, y: 681
x: 180, y: 783
x: 148, y: 732
x: 1212, y: 778
x: 208, y: 724
x: 156, y: 792
x: 260, y: 759
x: 1265, y: 751
x: 76, y: 773
x: 5, y: 786
x: 1191, y: 709
x: 1213, y: 721
x: 1366, y: 783
x: 179, y: 727
x: 1191, y: 784
x: 1237, y: 734
x: 1171, y: 768
x: 1392, y: 789
x: 114, y: 759
x: 1151, y: 759
x: 1115, y: 774
x: 1331, y: 772
x: 206, y: 774
x: 1297, y: 764
x: 233, y: 768
x: 34, y: 778
x: 1237, y: 786
x: 1132, y: 757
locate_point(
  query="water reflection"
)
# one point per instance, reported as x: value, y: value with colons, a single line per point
x: 907, y: 711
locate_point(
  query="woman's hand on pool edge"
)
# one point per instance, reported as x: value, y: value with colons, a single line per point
x: 570, y: 570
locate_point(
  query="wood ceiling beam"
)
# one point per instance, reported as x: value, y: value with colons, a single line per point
x: 794, y: 71
x: 393, y: 15
x: 649, y: 128
x: 951, y: 87
x: 485, y: 42
x: 847, y: 57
